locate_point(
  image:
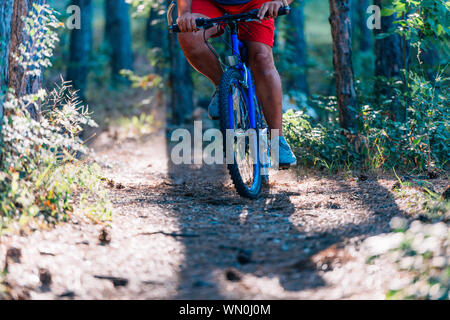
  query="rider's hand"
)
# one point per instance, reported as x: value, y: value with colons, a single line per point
x: 270, y: 7
x: 186, y: 22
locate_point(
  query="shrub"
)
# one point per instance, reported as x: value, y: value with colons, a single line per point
x: 40, y: 170
x: 421, y: 142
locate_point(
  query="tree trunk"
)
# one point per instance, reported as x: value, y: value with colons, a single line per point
x: 389, y: 62
x: 118, y: 36
x: 180, y: 84
x: 297, y: 45
x: 154, y: 32
x: 22, y: 84
x: 363, y: 32
x: 6, y: 11
x: 80, y: 47
x: 342, y: 60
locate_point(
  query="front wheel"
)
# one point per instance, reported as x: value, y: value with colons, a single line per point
x: 240, y: 143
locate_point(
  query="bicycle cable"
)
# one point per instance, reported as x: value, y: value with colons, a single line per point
x: 222, y: 65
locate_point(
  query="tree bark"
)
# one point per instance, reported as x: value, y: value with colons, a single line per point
x: 180, y: 84
x: 118, y: 36
x: 364, y: 33
x: 388, y: 50
x: 154, y: 32
x: 342, y: 60
x: 296, y: 42
x: 389, y: 61
x: 22, y: 84
x: 6, y: 11
x: 80, y: 48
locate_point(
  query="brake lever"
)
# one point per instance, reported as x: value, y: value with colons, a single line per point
x: 172, y: 6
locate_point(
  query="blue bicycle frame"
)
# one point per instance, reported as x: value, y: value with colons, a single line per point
x: 237, y: 46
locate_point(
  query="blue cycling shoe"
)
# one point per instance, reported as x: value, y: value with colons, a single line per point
x: 286, y: 156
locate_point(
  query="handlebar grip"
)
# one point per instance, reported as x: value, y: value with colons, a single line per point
x: 284, y: 11
x: 281, y: 12
x: 174, y: 28
x: 200, y: 22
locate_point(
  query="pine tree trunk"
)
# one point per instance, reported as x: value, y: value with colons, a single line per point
x: 389, y: 62
x: 296, y: 42
x: 364, y: 33
x: 18, y: 80
x: 154, y: 32
x: 118, y: 36
x: 342, y: 60
x: 180, y: 84
x: 388, y: 50
x: 80, y: 47
x: 6, y: 11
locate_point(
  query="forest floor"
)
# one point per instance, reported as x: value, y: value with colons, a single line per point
x: 181, y: 232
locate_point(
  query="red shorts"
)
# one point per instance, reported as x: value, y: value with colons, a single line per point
x: 263, y: 31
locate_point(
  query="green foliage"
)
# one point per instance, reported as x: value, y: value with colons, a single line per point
x: 40, y: 173
x: 429, y: 18
x: 420, y: 143
x: 39, y: 25
x: 382, y: 142
x: 143, y: 82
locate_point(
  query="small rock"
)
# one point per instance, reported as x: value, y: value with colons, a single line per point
x: 67, y: 294
x: 396, y: 186
x: 233, y: 275
x: 432, y: 174
x: 332, y: 205
x: 446, y: 193
x: 119, y: 186
x: 363, y: 177
x: 45, y: 277
x: 244, y: 256
x: 14, y: 254
x: 117, y: 281
x: 104, y: 237
x: 110, y: 183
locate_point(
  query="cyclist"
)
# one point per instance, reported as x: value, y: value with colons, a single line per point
x: 259, y: 36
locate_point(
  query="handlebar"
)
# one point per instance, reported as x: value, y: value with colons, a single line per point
x: 203, y: 23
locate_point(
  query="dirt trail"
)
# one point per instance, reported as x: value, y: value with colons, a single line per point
x: 181, y: 232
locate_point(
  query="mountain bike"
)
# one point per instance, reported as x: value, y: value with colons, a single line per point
x: 242, y: 122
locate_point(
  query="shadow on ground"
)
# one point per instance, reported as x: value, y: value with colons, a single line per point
x: 227, y: 237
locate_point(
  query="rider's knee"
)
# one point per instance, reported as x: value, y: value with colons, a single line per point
x: 263, y: 61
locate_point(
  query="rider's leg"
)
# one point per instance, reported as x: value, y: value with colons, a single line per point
x: 199, y: 55
x: 267, y: 83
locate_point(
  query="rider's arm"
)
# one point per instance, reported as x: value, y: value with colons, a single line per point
x: 184, y: 6
x: 186, y: 19
x: 272, y: 8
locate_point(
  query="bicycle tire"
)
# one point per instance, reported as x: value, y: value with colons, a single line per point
x: 230, y: 78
